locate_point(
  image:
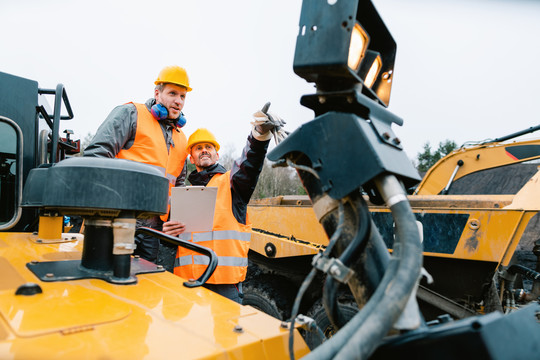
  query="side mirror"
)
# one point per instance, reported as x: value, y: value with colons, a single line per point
x: 11, y: 161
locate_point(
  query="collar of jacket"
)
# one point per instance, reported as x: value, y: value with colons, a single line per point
x: 151, y: 102
x: 203, y: 177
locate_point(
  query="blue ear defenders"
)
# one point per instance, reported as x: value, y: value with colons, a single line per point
x: 159, y: 112
x: 181, y: 121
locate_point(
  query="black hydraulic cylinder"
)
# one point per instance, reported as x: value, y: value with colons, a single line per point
x: 122, y: 266
x: 97, y: 249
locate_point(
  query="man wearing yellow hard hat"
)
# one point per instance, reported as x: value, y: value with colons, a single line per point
x: 149, y: 133
x: 231, y: 233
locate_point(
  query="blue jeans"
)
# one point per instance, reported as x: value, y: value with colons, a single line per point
x: 147, y: 245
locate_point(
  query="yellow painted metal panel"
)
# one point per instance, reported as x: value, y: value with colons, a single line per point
x: 50, y: 228
x: 299, y: 222
x: 71, y: 307
x: 284, y: 247
x: 155, y: 319
x: 495, y: 223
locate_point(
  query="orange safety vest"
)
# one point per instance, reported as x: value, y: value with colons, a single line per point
x: 150, y: 148
x: 229, y: 239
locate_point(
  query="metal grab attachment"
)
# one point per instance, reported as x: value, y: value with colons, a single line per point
x: 190, y: 246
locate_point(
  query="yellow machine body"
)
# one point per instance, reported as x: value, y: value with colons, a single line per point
x: 156, y: 318
x: 466, y: 239
x: 493, y: 228
x: 465, y: 161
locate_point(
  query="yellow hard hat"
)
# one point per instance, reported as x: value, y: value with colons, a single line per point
x: 202, y: 136
x: 173, y: 75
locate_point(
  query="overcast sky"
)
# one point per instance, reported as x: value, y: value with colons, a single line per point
x: 465, y: 70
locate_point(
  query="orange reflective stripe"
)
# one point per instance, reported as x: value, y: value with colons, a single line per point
x: 150, y: 148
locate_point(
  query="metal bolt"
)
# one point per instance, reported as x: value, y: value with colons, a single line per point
x: 386, y: 135
x: 33, y: 262
x: 284, y: 325
x: 49, y: 275
x: 474, y: 224
x: 160, y: 267
x: 238, y: 329
x: 136, y: 257
x: 334, y: 270
x: 38, y: 240
x: 397, y: 141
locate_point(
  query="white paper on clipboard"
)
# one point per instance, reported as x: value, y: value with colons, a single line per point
x: 194, y: 206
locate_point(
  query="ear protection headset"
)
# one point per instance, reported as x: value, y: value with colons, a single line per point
x: 159, y: 112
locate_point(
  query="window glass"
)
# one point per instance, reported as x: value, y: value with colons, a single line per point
x: 8, y: 172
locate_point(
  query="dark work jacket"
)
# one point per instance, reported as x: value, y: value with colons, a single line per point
x: 244, y: 175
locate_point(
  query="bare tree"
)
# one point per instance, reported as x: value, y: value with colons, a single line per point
x: 277, y: 181
x: 227, y: 156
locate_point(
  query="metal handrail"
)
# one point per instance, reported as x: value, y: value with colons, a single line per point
x: 213, y: 262
x: 60, y: 95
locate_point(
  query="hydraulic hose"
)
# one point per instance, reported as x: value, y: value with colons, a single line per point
x: 331, y: 347
x: 376, y: 326
x: 331, y: 304
x: 363, y: 333
x: 520, y: 269
x: 309, y: 278
x: 351, y: 253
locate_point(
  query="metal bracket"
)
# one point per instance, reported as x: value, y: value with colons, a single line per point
x: 333, y: 267
x: 72, y: 270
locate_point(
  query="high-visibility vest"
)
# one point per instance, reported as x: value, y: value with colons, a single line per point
x: 229, y: 239
x: 150, y: 148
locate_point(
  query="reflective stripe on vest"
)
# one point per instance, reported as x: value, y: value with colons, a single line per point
x: 149, y: 147
x: 216, y: 235
x: 204, y: 260
x: 229, y: 239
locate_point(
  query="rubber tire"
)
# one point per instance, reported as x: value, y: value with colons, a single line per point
x: 317, y: 313
x: 264, y: 298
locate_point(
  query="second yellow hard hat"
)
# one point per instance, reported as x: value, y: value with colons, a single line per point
x: 202, y: 135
